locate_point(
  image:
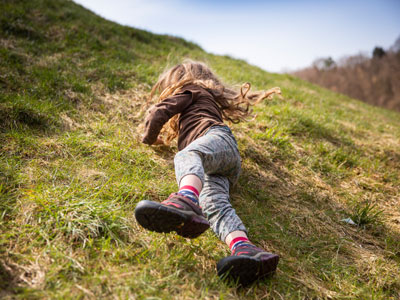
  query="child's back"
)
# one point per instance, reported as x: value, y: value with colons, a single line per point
x: 198, y: 112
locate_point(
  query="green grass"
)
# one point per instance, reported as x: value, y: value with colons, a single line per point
x: 72, y: 168
x: 365, y: 214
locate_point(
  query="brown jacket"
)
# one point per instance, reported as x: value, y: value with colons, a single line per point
x: 198, y: 112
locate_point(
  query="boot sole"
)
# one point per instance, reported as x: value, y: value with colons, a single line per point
x: 246, y: 269
x: 161, y: 218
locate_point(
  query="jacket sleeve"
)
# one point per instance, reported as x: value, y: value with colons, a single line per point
x: 160, y: 113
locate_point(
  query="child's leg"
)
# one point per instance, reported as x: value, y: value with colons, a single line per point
x: 180, y: 212
x: 214, y: 200
x: 191, y: 180
x: 223, y: 219
x: 214, y: 153
x: 247, y: 262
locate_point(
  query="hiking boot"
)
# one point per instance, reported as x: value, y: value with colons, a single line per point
x: 247, y: 264
x: 177, y: 213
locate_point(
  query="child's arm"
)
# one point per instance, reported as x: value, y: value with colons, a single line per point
x: 160, y: 113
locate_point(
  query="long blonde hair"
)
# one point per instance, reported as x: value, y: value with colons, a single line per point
x: 234, y: 105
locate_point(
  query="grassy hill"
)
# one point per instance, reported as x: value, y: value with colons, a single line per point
x: 72, y: 168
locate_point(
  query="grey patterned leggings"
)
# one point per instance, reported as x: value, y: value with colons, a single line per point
x: 215, y: 159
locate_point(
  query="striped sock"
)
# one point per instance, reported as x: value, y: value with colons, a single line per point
x: 190, y: 192
x: 240, y: 241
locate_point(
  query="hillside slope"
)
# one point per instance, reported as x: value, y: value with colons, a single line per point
x: 73, y: 89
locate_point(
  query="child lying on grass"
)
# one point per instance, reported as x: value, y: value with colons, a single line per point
x: 195, y: 104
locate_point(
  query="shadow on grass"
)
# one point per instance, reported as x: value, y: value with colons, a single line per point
x: 8, y: 281
x: 297, y: 214
x: 8, y: 186
x: 305, y: 126
x: 21, y: 117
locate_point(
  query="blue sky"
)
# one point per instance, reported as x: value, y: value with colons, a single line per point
x: 275, y: 35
